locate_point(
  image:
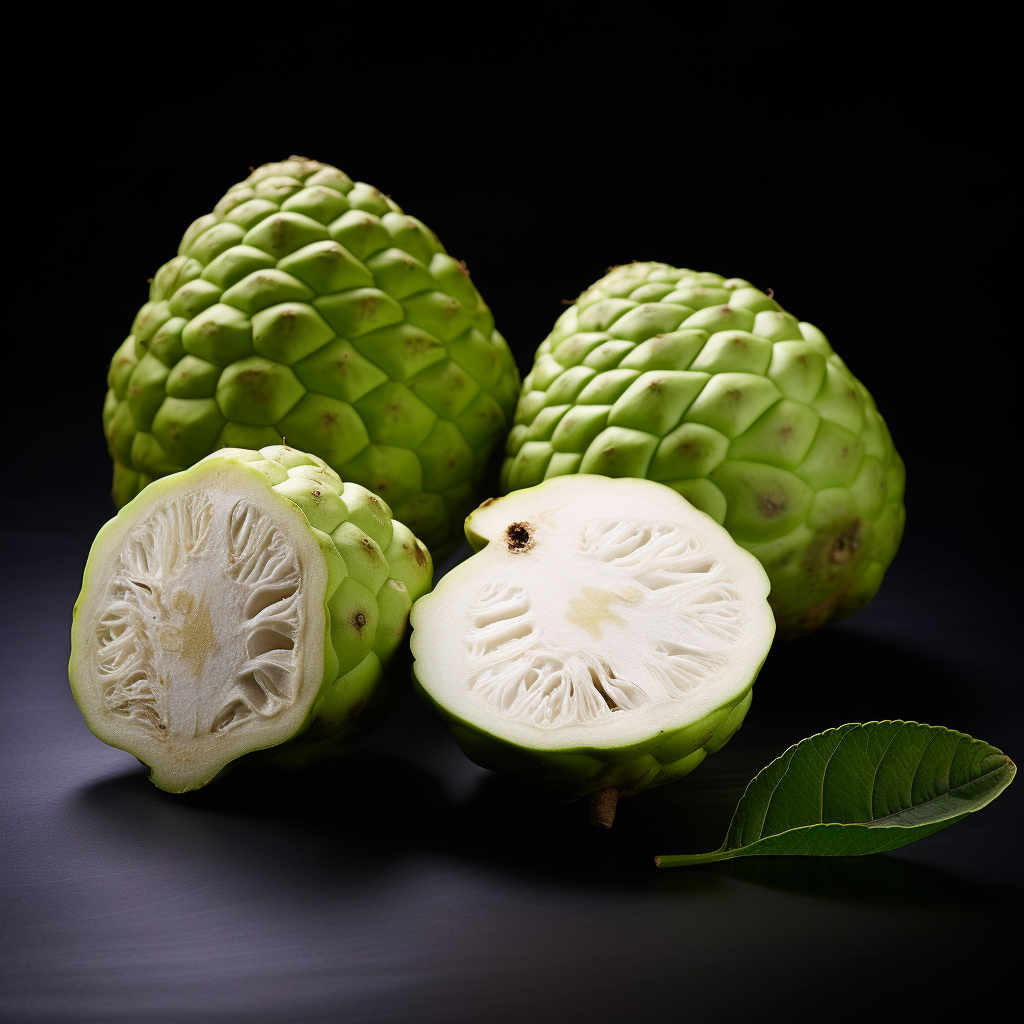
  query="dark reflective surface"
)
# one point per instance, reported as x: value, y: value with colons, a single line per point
x: 406, y: 884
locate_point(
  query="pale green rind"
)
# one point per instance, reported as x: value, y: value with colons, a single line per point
x: 577, y: 771
x: 923, y: 777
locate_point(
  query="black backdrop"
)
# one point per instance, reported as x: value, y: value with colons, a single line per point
x: 871, y: 190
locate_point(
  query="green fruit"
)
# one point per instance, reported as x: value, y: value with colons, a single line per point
x: 244, y: 604
x: 309, y: 307
x: 707, y: 385
x: 604, y: 639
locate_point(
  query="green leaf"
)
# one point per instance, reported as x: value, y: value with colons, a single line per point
x: 861, y: 788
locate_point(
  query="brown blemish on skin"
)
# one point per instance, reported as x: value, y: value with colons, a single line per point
x: 418, y: 344
x: 770, y: 505
x: 518, y: 537
x: 359, y: 621
x: 844, y: 547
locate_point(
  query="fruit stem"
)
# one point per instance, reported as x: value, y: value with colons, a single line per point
x: 602, y: 807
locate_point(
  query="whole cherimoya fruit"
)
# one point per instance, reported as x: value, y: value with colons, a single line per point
x: 249, y: 601
x: 604, y: 639
x: 707, y: 385
x: 309, y: 307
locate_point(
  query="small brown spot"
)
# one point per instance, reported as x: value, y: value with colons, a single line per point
x: 328, y: 419
x: 770, y: 505
x: 844, y: 547
x: 518, y: 537
x: 420, y: 554
x: 359, y: 620
x: 786, y: 432
x: 655, y: 385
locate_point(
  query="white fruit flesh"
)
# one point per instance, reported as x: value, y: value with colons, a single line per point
x: 200, y: 634
x: 599, y: 613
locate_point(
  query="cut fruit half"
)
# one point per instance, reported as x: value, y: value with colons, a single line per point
x: 215, y: 620
x: 605, y: 637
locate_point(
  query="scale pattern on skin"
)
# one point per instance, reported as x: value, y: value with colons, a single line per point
x: 707, y: 385
x: 309, y: 307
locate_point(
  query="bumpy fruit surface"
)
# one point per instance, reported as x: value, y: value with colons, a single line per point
x: 249, y: 602
x: 309, y: 307
x: 605, y: 637
x: 707, y: 385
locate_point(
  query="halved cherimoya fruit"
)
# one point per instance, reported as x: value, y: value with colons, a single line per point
x: 249, y: 601
x: 604, y: 639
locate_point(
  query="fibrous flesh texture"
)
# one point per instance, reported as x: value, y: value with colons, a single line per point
x: 216, y: 620
x: 604, y: 634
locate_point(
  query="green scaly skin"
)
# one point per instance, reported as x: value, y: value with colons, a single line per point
x: 707, y: 385
x: 310, y: 307
x: 375, y: 567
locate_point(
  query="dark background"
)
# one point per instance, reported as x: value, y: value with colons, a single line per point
x: 869, y: 186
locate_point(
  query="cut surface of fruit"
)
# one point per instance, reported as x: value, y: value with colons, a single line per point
x: 205, y: 639
x: 243, y: 604
x: 601, y: 616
